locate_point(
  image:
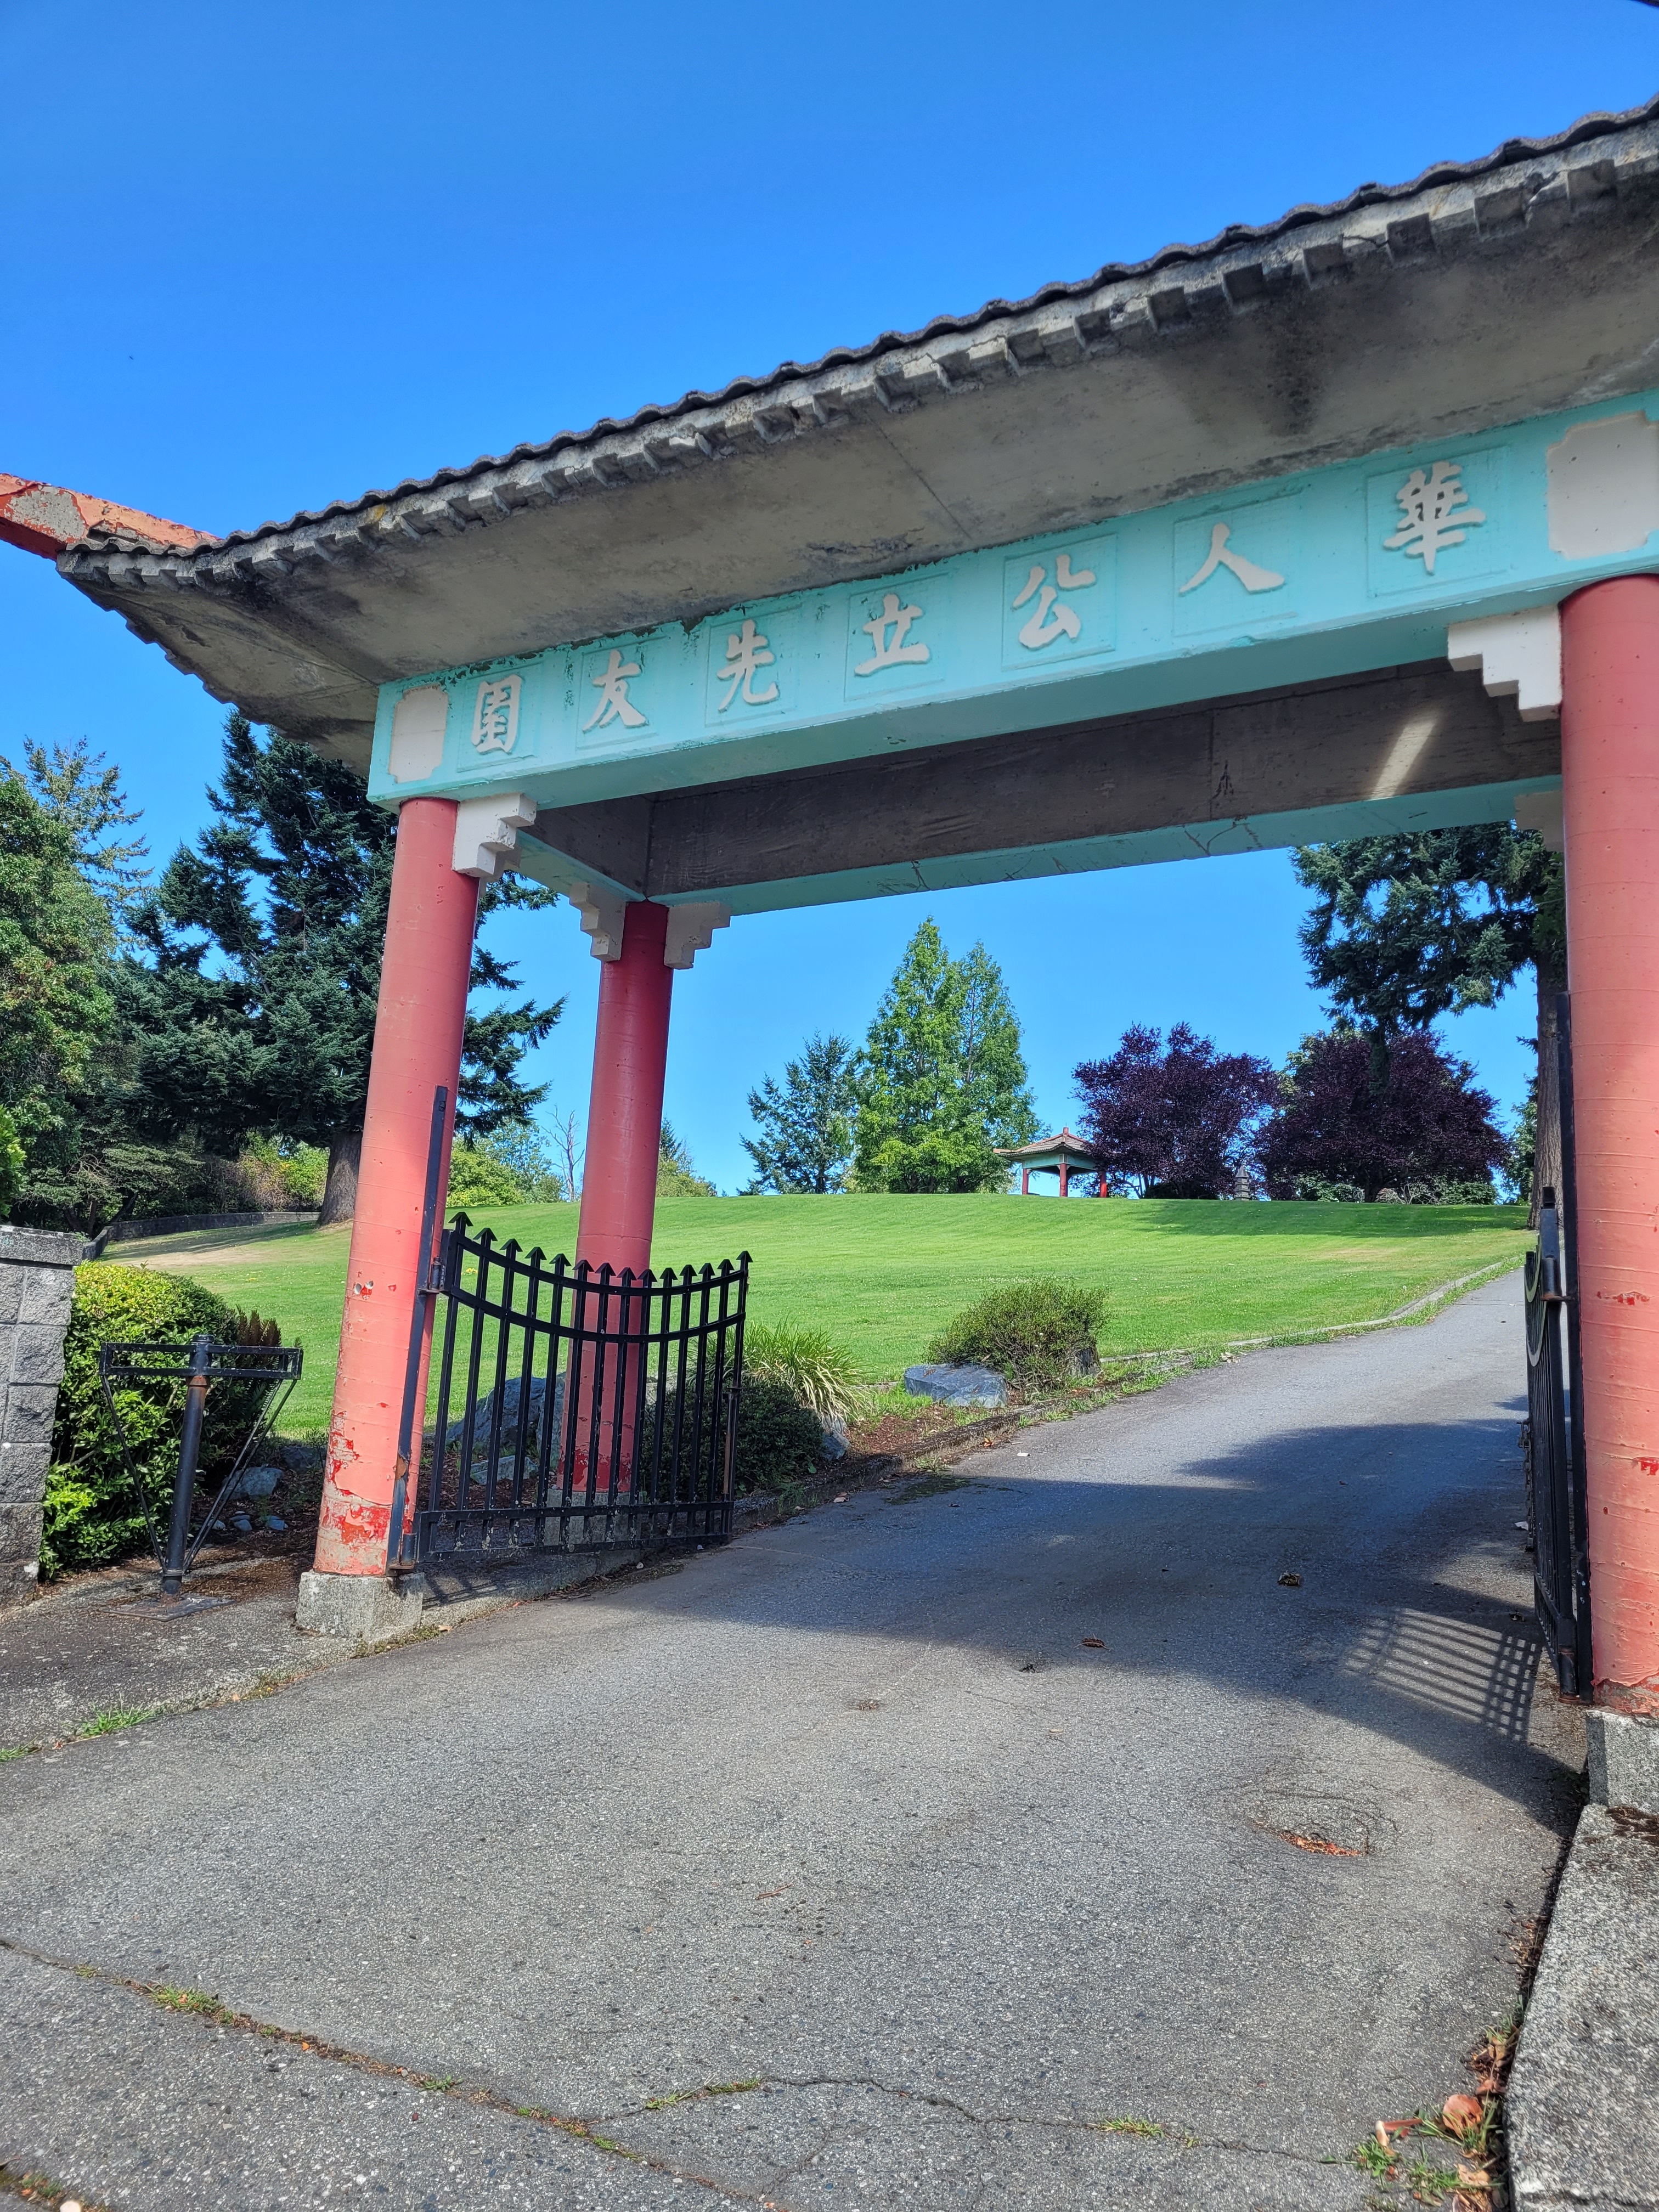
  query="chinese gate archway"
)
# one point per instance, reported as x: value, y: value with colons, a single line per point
x: 1341, y: 526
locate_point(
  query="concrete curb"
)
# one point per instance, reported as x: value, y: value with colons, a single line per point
x: 1582, y: 2111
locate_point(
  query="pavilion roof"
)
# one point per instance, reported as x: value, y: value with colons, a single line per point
x: 1064, y: 1142
x: 1482, y: 292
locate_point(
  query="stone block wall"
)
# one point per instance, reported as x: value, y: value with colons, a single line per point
x: 37, y: 1277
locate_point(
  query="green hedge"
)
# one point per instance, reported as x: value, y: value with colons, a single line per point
x: 91, y: 1515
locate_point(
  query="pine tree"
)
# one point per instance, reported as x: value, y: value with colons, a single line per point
x: 676, y: 1177
x: 1406, y: 928
x: 254, y: 1008
x: 941, y: 1078
x: 805, y: 1126
x: 73, y: 786
x: 56, y: 1010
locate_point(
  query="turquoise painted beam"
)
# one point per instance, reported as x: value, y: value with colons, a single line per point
x: 1360, y: 566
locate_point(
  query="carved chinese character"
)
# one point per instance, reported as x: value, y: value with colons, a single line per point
x: 1436, y: 513
x: 614, y: 705
x: 496, y: 714
x: 745, y: 655
x: 890, y: 651
x: 1052, y: 617
x: 1253, y: 578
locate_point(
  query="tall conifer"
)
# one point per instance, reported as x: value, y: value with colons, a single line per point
x: 942, y: 1079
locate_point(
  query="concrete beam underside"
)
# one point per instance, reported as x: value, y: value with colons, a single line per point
x: 1268, y: 769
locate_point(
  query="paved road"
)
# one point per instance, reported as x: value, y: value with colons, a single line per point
x: 850, y: 1812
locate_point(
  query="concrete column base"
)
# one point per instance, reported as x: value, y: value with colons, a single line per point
x: 1623, y: 1758
x: 363, y: 1609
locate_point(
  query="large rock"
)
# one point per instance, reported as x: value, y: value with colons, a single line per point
x: 957, y: 1386
x: 510, y: 1392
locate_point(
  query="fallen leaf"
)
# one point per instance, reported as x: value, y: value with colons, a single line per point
x: 1389, y: 2132
x: 1473, y: 2177
x: 1462, y: 2113
x: 1094, y: 1644
x: 1290, y: 1581
x: 840, y: 1500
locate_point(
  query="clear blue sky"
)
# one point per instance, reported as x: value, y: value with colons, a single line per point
x: 256, y: 258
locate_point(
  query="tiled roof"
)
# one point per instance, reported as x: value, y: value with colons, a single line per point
x: 1243, y: 264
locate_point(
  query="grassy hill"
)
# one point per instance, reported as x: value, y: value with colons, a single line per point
x: 881, y: 1274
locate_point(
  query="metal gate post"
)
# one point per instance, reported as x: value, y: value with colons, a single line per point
x: 190, y: 1450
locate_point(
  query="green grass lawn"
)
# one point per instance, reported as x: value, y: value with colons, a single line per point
x: 881, y: 1274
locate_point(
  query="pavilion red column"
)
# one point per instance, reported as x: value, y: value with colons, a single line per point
x: 417, y: 1046
x: 1025, y: 1183
x: 1610, y: 772
x: 625, y: 1113
x: 1065, y: 1180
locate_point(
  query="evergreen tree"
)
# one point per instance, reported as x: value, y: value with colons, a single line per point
x: 254, y: 1009
x: 941, y: 1078
x: 56, y: 1010
x: 805, y: 1127
x: 1406, y: 928
x: 676, y: 1177
x: 78, y: 792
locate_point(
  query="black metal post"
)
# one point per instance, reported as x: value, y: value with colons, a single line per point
x: 190, y: 1448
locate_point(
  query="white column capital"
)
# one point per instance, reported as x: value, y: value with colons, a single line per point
x: 602, y: 912
x: 1519, y: 657
x: 692, y: 930
x: 486, y: 830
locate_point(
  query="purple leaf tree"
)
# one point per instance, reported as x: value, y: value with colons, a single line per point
x: 1176, y: 1121
x: 1403, y: 1116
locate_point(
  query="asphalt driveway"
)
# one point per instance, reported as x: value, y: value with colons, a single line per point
x: 1031, y: 1842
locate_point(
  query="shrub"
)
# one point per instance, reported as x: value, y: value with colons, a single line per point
x: 816, y: 1371
x: 479, y: 1177
x: 11, y: 1163
x: 281, y: 1174
x: 1038, y: 1333
x: 778, y: 1437
x: 91, y: 1515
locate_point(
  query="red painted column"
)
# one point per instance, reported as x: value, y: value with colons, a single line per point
x: 1610, y: 772
x: 417, y: 1045
x: 1025, y: 1183
x: 1065, y: 1180
x: 625, y: 1113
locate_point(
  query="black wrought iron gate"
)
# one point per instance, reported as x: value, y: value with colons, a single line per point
x: 1555, y: 1414
x: 576, y: 1407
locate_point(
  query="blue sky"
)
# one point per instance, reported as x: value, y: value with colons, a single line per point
x: 257, y: 259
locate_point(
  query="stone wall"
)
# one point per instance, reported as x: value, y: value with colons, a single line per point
x: 37, y: 1277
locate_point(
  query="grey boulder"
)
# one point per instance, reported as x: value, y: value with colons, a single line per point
x: 510, y: 1392
x: 259, y: 1481
x: 957, y: 1386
